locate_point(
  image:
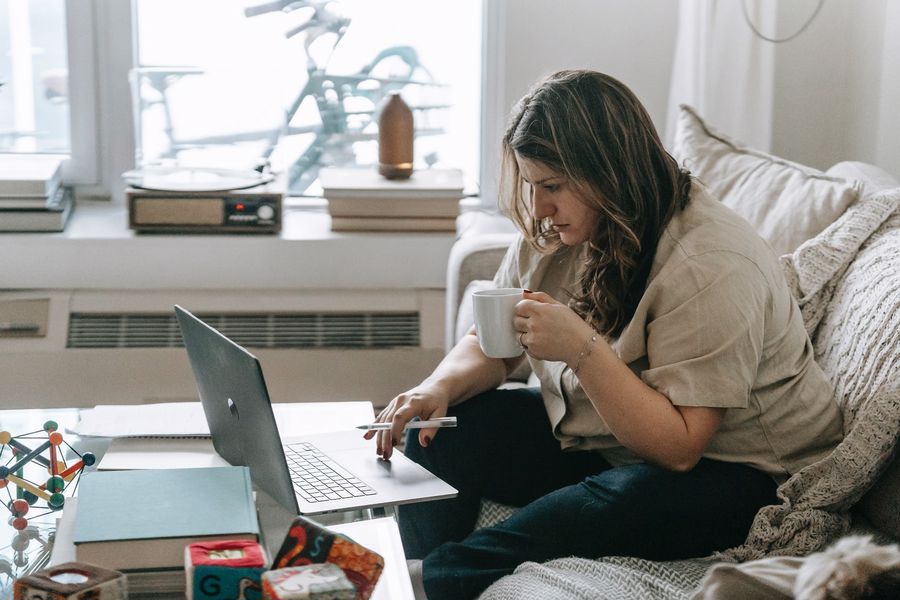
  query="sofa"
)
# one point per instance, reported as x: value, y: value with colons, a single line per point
x: 838, y: 237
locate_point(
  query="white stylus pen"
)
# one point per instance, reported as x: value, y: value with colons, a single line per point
x: 439, y: 422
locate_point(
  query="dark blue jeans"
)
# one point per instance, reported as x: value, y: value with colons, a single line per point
x: 573, y: 503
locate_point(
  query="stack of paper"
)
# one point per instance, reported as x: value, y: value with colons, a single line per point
x: 162, y: 419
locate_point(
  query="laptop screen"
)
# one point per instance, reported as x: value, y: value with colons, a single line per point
x: 237, y: 407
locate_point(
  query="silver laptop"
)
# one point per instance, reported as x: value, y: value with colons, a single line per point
x: 311, y: 475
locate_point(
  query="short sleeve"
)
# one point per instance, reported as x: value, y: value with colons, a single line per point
x: 508, y: 273
x: 705, y: 338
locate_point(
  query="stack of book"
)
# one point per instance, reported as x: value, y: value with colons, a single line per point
x: 31, y: 195
x: 139, y: 522
x: 363, y: 200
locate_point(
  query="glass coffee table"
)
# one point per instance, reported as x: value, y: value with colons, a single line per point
x: 29, y: 550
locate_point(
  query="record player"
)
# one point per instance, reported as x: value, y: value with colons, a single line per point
x: 179, y: 200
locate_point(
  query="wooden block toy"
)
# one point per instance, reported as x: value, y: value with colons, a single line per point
x: 309, y: 543
x: 72, y: 581
x: 223, y: 570
x: 322, y: 581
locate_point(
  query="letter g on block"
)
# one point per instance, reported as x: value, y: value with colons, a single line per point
x: 211, y: 585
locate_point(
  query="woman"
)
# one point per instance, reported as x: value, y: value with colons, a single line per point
x: 678, y: 385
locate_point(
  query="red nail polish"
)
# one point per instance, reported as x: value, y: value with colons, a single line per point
x: 427, y: 441
x: 528, y: 292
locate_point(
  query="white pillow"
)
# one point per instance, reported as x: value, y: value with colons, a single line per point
x: 786, y: 202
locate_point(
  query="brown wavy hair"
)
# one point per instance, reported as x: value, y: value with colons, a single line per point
x: 592, y: 129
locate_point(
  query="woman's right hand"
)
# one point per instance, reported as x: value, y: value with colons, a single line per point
x: 423, y: 401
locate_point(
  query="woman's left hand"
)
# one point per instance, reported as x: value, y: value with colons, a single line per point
x: 548, y: 329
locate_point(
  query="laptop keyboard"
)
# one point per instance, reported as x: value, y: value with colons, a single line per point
x: 317, y: 478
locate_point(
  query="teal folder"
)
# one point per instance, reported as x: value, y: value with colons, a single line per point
x: 130, y: 520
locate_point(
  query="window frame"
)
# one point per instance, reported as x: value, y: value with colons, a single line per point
x: 83, y: 163
x: 102, y: 48
x: 493, y: 100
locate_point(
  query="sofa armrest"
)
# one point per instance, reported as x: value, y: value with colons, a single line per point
x: 471, y: 258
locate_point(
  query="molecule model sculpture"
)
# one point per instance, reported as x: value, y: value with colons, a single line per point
x: 28, y: 490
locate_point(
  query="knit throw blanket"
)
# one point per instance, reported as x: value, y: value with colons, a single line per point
x: 815, y: 503
x: 847, y: 282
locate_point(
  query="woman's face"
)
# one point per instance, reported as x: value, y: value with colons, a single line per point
x: 553, y: 197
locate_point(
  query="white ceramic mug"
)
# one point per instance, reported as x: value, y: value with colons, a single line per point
x: 494, y: 311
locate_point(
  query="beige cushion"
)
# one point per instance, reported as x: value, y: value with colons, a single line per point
x: 786, y: 202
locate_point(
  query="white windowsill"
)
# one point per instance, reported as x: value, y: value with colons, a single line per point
x: 98, y: 251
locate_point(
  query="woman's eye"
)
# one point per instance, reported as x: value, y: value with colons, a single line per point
x: 552, y: 187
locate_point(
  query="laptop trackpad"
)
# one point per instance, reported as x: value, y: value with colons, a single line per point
x: 349, y: 449
x: 372, y: 469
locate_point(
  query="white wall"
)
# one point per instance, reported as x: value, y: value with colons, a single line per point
x: 632, y: 40
x: 837, y: 87
x: 830, y: 81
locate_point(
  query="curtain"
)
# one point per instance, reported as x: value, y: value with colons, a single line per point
x: 723, y: 70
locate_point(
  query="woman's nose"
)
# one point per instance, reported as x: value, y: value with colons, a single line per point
x: 540, y: 205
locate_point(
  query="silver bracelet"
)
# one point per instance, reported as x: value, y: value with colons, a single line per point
x: 585, y: 352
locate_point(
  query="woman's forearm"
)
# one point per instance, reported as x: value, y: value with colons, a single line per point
x: 466, y: 371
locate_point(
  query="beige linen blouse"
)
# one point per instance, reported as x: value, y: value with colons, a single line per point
x: 715, y: 327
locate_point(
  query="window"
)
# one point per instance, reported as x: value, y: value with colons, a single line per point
x: 235, y: 71
x: 236, y: 83
x: 34, y: 111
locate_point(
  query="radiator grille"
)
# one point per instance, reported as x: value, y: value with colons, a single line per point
x: 275, y: 330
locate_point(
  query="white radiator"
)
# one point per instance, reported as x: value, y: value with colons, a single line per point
x: 81, y: 348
